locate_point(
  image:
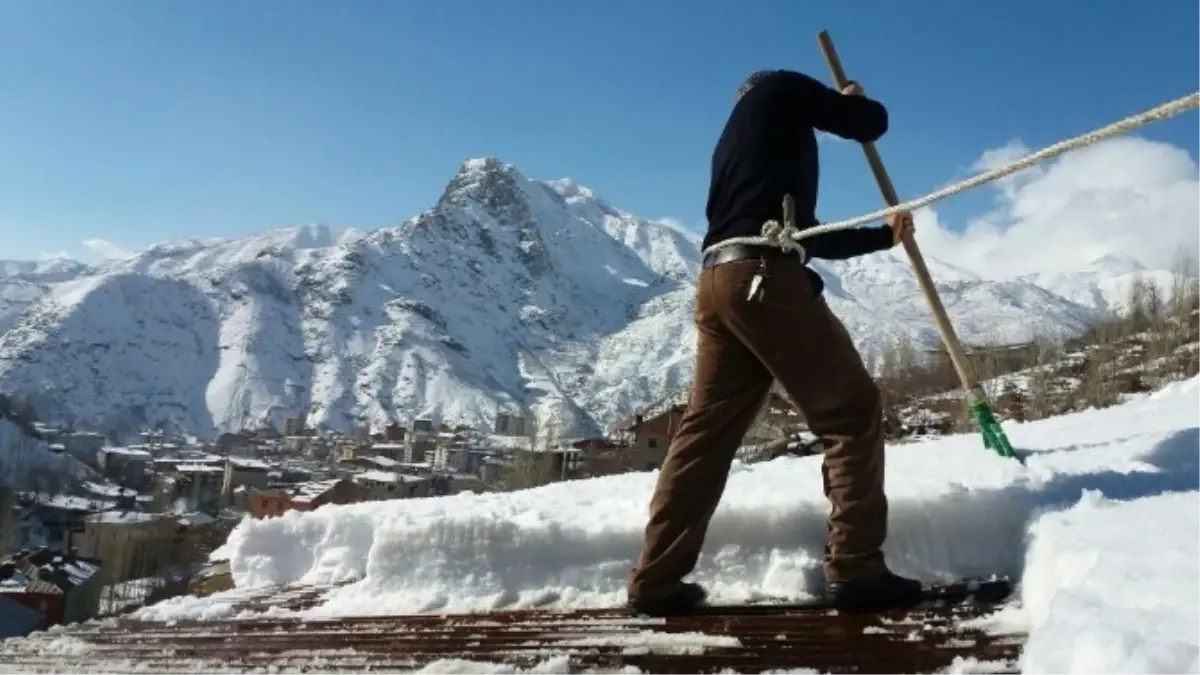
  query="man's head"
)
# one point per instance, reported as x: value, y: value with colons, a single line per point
x: 753, y: 81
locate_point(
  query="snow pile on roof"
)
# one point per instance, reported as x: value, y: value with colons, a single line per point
x: 57, y: 570
x: 196, y: 518
x: 190, y: 457
x: 310, y: 490
x: 198, y: 468
x: 124, y: 517
x: 1110, y: 583
x: 69, y: 502
x: 108, y: 489
x: 132, y: 453
x: 388, y: 477
x: 381, y: 461
x: 249, y: 464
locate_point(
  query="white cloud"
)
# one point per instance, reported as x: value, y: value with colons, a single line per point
x: 106, y: 249
x: 1128, y: 197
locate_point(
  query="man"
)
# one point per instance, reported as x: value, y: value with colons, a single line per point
x: 761, y: 317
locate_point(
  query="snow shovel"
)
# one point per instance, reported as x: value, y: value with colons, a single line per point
x: 994, y: 438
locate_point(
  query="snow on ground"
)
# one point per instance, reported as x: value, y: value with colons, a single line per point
x: 1100, y: 523
x: 1113, y: 586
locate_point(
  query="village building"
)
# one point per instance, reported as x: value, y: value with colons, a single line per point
x: 305, y: 497
x: 132, y: 544
x: 62, y: 588
x: 128, y: 467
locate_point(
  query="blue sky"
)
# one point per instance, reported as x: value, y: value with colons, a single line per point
x: 136, y: 121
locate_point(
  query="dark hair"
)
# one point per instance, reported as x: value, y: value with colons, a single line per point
x: 750, y: 82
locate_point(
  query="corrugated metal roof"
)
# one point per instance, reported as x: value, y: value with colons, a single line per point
x: 750, y: 640
x: 45, y: 571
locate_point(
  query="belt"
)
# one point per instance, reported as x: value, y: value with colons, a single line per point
x: 735, y: 252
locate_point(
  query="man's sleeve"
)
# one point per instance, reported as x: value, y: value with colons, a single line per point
x: 855, y: 118
x: 843, y: 244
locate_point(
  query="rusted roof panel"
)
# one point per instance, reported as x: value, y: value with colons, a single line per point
x: 917, y: 641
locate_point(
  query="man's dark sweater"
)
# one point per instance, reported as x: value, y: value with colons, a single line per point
x: 769, y: 149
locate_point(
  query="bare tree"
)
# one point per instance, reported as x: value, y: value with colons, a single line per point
x: 1185, y: 293
x: 1042, y: 399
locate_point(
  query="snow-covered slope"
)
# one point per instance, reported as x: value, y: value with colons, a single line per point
x: 48, y: 270
x: 1104, y: 284
x: 509, y: 294
x: 23, y: 282
x: 865, y: 290
x: 28, y: 463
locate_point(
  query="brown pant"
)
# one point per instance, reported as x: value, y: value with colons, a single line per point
x: 788, y: 334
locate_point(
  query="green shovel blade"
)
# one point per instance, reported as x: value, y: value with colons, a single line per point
x: 993, y: 435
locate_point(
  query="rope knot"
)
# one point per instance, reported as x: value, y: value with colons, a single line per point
x: 775, y: 233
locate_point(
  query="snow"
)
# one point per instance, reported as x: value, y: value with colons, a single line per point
x: 124, y: 517
x: 380, y: 460
x: 190, y: 457
x: 312, y: 489
x: 196, y: 518
x: 1113, y: 586
x: 379, y: 476
x: 133, y: 453
x: 71, y: 503
x: 108, y: 490
x: 248, y: 464
x: 376, y: 476
x: 77, y: 571
x: 198, y: 468
x: 508, y: 295
x: 1099, y: 523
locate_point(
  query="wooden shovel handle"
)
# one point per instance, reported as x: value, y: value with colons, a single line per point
x: 946, y: 329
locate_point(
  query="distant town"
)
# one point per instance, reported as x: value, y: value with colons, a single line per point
x: 143, y: 522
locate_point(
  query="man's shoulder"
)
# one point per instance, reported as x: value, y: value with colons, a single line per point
x: 786, y: 75
x: 778, y: 84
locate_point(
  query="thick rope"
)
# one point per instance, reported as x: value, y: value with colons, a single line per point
x: 788, y: 238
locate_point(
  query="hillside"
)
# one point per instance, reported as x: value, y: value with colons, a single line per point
x: 28, y: 462
x: 508, y: 294
x: 24, y: 282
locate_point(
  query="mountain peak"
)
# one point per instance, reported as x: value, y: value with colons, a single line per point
x: 485, y: 180
x: 482, y: 167
x: 570, y: 190
x: 1115, y: 264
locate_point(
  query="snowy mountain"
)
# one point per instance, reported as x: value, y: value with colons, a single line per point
x: 23, y: 282
x: 508, y: 294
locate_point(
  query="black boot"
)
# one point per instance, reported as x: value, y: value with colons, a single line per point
x: 683, y: 601
x: 874, y: 594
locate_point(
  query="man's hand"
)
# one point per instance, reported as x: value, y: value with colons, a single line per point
x: 902, y: 226
x: 853, y: 88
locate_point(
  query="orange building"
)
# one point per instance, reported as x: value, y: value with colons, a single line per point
x: 305, y: 497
